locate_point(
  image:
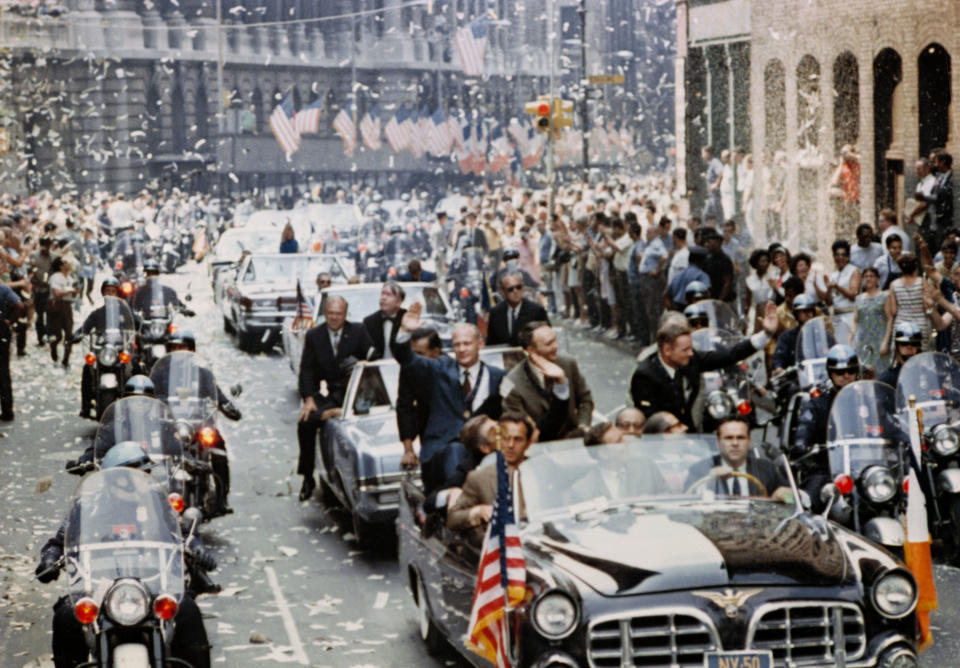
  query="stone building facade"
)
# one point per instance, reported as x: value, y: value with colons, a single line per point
x: 792, y: 82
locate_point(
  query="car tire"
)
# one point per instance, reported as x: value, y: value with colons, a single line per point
x: 429, y: 633
x: 247, y: 342
x: 364, y: 532
x: 327, y: 495
x: 227, y: 326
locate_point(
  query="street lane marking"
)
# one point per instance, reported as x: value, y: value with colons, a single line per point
x: 298, y: 654
x: 381, y: 600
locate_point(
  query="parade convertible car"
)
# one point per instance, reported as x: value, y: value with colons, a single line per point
x: 361, y: 450
x: 626, y: 565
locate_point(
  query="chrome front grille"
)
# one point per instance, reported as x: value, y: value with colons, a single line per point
x: 670, y: 638
x: 802, y: 633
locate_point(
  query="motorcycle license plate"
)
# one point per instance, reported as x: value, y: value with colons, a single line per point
x: 108, y: 381
x: 738, y: 660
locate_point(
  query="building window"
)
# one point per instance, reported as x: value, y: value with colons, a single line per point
x: 846, y: 100
x: 933, y: 88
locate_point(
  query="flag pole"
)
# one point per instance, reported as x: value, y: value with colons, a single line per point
x: 498, y: 431
x: 916, y: 547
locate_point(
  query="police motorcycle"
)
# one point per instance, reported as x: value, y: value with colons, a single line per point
x: 123, y: 551
x: 109, y: 353
x: 188, y: 387
x: 419, y: 233
x: 398, y: 250
x: 933, y: 379
x: 127, y: 260
x: 808, y: 378
x: 719, y: 315
x: 169, y: 249
x: 155, y: 306
x: 369, y: 255
x: 728, y: 392
x: 467, y: 279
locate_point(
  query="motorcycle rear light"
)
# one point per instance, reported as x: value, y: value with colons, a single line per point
x: 176, y: 502
x: 126, y: 288
x: 208, y: 436
x: 90, y: 359
x: 124, y: 357
x: 906, y: 485
x: 744, y: 408
x: 844, y: 483
x: 815, y: 392
x: 172, y: 328
x: 165, y: 606
x: 86, y: 610
x: 464, y: 292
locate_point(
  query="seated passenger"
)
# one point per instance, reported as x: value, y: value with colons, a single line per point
x: 733, y: 437
x: 603, y: 433
x: 478, y: 438
x: 631, y: 421
x: 475, y: 504
x: 664, y: 422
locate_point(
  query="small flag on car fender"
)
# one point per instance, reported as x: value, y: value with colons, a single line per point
x: 916, y: 548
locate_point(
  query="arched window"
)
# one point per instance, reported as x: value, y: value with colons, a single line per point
x: 933, y: 89
x: 887, y: 118
x: 809, y: 115
x: 846, y: 100
x: 775, y: 107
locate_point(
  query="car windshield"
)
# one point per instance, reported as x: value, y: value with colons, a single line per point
x: 933, y: 379
x: 363, y: 302
x: 569, y: 479
x: 291, y: 268
x: 233, y: 242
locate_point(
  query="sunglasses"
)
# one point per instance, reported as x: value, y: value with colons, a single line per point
x: 631, y: 425
x: 512, y: 288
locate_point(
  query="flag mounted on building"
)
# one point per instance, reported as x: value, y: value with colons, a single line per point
x: 471, y: 42
x: 307, y: 120
x: 370, y: 128
x: 499, y: 157
x: 344, y: 126
x: 411, y: 129
x: 281, y: 123
x: 479, y: 150
x: 465, y: 152
x: 393, y: 131
x: 501, y: 577
x: 438, y: 136
x: 423, y: 129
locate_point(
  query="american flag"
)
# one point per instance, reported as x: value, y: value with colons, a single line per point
x: 471, y: 44
x: 394, y: 133
x: 370, y: 128
x: 465, y: 152
x: 344, y: 126
x: 499, y: 150
x: 304, y: 318
x: 519, y: 134
x: 438, y: 137
x: 455, y: 130
x: 281, y: 122
x: 501, y: 577
x: 307, y: 120
x: 479, y: 150
x: 534, y: 150
x: 411, y: 129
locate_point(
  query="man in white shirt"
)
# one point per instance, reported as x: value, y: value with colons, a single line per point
x: 681, y: 258
x: 865, y: 252
x: 920, y: 216
x: 887, y: 224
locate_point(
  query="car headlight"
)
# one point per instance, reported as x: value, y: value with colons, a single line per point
x: 719, y: 404
x: 554, y: 615
x: 878, y: 484
x: 157, y: 329
x: 946, y: 440
x: 107, y: 356
x: 894, y: 594
x: 127, y: 603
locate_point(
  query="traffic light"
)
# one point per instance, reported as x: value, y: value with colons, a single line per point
x: 562, y: 113
x: 541, y: 110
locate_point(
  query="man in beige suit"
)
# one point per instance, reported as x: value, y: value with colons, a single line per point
x: 474, y: 506
x: 543, y: 380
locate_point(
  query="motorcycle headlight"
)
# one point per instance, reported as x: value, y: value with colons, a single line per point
x: 719, y: 404
x: 946, y: 440
x: 894, y: 594
x: 107, y: 356
x: 878, y: 484
x: 127, y: 603
x: 157, y: 329
x: 554, y: 615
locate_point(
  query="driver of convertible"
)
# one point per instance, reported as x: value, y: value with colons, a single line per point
x: 70, y: 649
x: 736, y: 456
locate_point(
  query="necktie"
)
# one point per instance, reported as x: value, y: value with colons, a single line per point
x: 336, y: 343
x: 466, y: 387
x: 510, y: 321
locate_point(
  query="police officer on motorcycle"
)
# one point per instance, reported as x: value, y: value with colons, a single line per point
x: 183, y: 339
x: 70, y: 648
x: 151, y: 269
x: 785, y: 354
x: 843, y: 368
x: 95, y: 322
x: 907, y: 339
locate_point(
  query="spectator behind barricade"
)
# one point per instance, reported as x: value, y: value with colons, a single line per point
x: 887, y: 265
x: 865, y: 252
x: 713, y: 208
x: 801, y: 266
x: 664, y: 422
x: 621, y: 243
x: 887, y: 225
x: 870, y: 322
x: 792, y: 287
x: 779, y: 268
x: 943, y: 194
x: 948, y: 253
x: 845, y: 189
x: 630, y: 421
x: 758, y: 289
x: 843, y: 285
x: 288, y: 242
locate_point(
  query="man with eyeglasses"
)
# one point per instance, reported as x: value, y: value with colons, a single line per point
x: 509, y: 316
x: 630, y: 421
x: 323, y: 280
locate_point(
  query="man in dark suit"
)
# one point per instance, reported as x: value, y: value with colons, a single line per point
x: 733, y: 437
x: 543, y: 378
x: 509, y: 316
x: 462, y: 387
x: 416, y: 274
x: 670, y: 380
x: 413, y: 394
x: 328, y: 352
x: 383, y: 325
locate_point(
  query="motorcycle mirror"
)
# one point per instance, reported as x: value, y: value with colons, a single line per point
x: 236, y: 390
x: 192, y: 516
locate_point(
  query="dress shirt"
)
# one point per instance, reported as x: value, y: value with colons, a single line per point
x: 387, y: 331
x: 737, y: 486
x: 335, y: 337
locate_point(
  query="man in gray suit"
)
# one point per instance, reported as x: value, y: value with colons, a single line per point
x: 545, y: 379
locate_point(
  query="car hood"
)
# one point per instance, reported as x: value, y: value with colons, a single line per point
x: 670, y: 547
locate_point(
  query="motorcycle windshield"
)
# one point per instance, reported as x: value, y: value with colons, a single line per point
x: 186, y: 385
x: 706, y: 340
x: 120, y: 525
x: 816, y: 338
x: 720, y: 315
x: 118, y: 323
x: 863, y: 428
x: 152, y: 302
x: 144, y: 420
x: 934, y: 379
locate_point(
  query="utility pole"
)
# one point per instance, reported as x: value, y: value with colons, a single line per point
x: 552, y: 36
x: 584, y: 87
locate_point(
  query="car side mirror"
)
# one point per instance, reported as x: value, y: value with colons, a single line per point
x: 236, y: 390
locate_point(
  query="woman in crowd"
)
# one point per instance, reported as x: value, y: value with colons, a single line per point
x: 907, y: 301
x: 759, y: 289
x: 288, y: 241
x: 843, y: 285
x: 870, y: 322
x: 779, y: 270
x: 63, y: 292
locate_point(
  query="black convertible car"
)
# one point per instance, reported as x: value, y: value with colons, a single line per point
x: 628, y: 567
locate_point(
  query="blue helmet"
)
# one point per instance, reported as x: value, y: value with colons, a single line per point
x: 697, y: 315
x: 696, y: 290
x: 842, y: 357
x: 129, y: 454
x: 908, y: 333
x: 804, y: 302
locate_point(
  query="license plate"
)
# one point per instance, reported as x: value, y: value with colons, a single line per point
x: 738, y: 660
